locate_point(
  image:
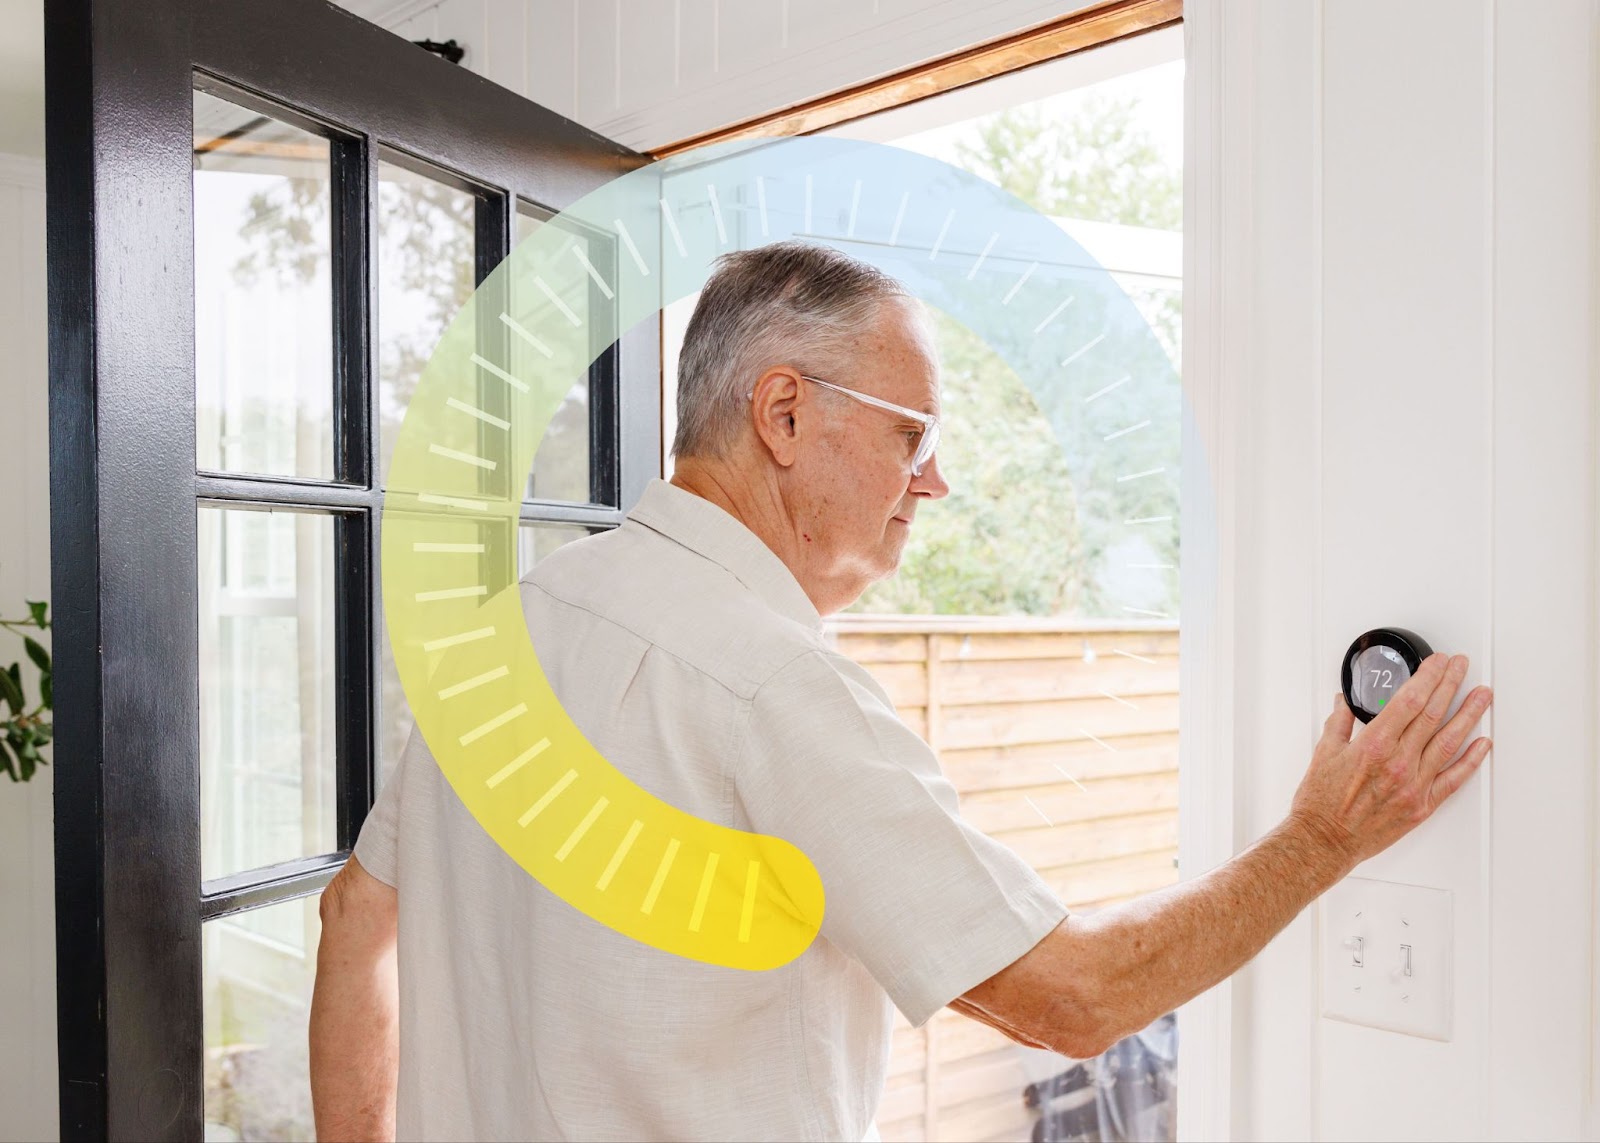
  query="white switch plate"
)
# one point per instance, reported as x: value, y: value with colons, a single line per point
x: 1385, y: 917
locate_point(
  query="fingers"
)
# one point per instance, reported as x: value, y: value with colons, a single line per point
x: 1383, y: 733
x: 1453, y: 777
x: 1442, y: 747
x: 1425, y: 726
x: 1341, y: 721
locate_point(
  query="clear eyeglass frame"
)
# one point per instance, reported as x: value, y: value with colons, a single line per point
x: 927, y: 443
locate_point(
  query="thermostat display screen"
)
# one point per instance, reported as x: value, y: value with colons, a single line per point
x: 1376, y: 674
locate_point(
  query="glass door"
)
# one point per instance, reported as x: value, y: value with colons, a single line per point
x: 262, y: 215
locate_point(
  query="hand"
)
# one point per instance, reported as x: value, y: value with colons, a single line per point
x: 1361, y: 796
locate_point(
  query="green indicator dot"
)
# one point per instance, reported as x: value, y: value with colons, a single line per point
x: 1382, y: 701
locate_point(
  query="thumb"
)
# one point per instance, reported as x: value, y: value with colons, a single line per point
x: 1342, y: 721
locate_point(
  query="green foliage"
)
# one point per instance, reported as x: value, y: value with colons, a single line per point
x: 26, y: 732
x: 1005, y: 541
x: 1092, y: 164
x: 1032, y: 513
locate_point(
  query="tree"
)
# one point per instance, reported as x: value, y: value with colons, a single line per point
x: 1034, y: 513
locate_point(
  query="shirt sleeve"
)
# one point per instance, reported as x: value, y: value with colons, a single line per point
x: 378, y: 846
x: 930, y: 905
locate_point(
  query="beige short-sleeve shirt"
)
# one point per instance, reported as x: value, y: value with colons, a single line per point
x: 689, y: 655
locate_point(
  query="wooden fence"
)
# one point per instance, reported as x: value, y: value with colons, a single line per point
x: 1061, y: 738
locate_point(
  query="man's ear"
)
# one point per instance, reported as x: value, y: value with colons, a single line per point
x: 777, y: 409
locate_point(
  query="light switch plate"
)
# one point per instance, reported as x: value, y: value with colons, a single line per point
x: 1371, y: 931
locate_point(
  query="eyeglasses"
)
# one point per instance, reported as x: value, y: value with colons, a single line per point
x: 927, y: 441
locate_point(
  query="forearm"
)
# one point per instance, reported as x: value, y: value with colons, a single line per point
x: 354, y: 1039
x: 1167, y: 947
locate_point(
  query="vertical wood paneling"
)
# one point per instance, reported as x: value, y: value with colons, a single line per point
x: 699, y: 24
x: 505, y: 57
x: 815, y: 23
x: 467, y: 22
x: 551, y: 39
x: 645, y: 51
x: 595, y: 57
x: 1406, y: 386
x: 30, y: 347
x: 829, y: 45
x: 1253, y: 92
x: 1544, y: 575
x: 1423, y: 249
x: 27, y: 885
x: 933, y: 698
x: 422, y: 26
x: 647, y: 72
x: 752, y: 37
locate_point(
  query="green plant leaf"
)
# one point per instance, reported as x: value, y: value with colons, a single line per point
x: 6, y: 764
x: 28, y: 766
x: 11, y: 691
x: 36, y: 610
x: 28, y: 751
x: 40, y: 657
x: 47, y: 691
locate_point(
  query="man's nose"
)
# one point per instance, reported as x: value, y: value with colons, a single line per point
x: 931, y: 483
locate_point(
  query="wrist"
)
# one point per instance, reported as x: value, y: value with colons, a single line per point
x: 1323, y: 846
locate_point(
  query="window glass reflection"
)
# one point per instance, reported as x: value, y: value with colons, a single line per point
x: 561, y: 464
x: 263, y: 310
x: 425, y: 275
x: 266, y: 688
x: 258, y: 969
x: 536, y: 541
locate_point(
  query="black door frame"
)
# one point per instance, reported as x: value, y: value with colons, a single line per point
x: 124, y: 487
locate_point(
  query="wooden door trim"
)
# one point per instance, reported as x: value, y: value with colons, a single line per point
x: 1088, y: 28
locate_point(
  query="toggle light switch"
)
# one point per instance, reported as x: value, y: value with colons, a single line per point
x: 1407, y: 932
x: 1405, y: 964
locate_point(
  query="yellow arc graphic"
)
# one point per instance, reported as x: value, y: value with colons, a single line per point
x: 491, y: 389
x: 500, y: 735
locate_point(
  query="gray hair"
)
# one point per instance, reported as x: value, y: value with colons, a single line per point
x: 788, y: 301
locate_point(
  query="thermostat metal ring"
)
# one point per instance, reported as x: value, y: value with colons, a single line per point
x: 1389, y: 645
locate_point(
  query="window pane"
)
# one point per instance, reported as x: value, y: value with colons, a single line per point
x: 466, y: 553
x: 425, y: 275
x: 258, y: 971
x: 266, y: 688
x: 536, y: 541
x: 263, y: 308
x: 561, y: 465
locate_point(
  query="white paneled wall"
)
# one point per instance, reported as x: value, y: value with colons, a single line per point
x: 1408, y: 219
x: 651, y: 72
x: 27, y: 863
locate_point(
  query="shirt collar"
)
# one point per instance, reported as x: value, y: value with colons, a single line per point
x: 721, y: 537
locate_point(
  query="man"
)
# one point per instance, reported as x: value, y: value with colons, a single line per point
x: 687, y: 646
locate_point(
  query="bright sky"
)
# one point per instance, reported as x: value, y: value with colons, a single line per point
x: 1158, y: 90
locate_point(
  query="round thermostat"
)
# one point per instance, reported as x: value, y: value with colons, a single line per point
x: 1377, y: 665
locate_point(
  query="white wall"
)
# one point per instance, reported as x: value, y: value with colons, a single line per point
x: 1405, y: 247
x: 27, y: 863
x: 651, y: 72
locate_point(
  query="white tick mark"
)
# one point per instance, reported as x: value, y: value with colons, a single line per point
x: 939, y: 241
x: 672, y: 227
x: 1051, y: 316
x: 1017, y: 285
x: 633, y: 250
x: 987, y: 246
